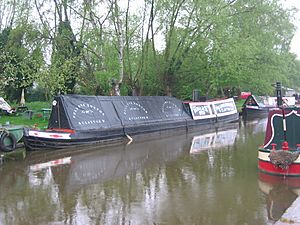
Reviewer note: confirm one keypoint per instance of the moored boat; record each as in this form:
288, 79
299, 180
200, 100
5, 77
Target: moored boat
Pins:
10, 135
279, 154
78, 119
261, 105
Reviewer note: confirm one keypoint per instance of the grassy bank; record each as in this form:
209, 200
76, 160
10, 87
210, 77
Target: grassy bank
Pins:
239, 103
33, 117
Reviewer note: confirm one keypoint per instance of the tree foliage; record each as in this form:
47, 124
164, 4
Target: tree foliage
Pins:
150, 47
20, 59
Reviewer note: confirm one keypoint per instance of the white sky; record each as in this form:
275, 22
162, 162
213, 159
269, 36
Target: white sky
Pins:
295, 45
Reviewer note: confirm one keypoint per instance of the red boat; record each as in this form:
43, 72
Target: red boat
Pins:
280, 153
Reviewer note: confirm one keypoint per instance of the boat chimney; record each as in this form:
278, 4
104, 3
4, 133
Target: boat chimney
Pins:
278, 94
196, 95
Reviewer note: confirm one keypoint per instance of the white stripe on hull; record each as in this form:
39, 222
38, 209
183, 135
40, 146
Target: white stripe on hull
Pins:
265, 156
50, 135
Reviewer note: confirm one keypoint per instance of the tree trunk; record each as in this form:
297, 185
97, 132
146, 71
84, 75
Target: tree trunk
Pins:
119, 33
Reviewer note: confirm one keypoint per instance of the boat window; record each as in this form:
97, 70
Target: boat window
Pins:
251, 101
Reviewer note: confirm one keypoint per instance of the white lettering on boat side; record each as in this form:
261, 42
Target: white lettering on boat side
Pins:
93, 114
171, 109
135, 111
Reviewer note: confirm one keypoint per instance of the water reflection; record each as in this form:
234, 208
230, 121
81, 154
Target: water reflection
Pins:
255, 125
96, 166
153, 181
213, 140
280, 193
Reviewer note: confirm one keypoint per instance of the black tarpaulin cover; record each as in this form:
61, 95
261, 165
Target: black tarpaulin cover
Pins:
80, 112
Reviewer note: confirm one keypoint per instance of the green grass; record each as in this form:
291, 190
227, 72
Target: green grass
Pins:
239, 103
36, 106
20, 118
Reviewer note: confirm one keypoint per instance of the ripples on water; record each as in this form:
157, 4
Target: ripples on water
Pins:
198, 177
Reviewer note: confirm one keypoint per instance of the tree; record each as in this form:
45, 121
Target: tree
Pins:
20, 59
150, 47
244, 47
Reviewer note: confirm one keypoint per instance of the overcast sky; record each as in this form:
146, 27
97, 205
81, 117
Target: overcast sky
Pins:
295, 46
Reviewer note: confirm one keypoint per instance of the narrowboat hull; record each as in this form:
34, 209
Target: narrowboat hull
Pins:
81, 120
256, 111
55, 139
266, 166
58, 139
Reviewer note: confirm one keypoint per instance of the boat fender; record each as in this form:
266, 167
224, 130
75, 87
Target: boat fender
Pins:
283, 158
7, 148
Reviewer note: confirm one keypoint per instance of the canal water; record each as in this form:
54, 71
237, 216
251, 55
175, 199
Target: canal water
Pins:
199, 177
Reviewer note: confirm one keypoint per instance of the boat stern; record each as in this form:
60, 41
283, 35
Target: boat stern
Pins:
279, 162
36, 139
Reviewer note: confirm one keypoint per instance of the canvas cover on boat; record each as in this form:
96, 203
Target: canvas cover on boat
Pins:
80, 112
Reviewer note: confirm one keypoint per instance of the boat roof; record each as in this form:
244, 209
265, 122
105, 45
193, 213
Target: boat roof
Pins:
80, 112
110, 113
268, 101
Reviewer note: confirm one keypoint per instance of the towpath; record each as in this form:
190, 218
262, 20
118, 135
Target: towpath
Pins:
291, 215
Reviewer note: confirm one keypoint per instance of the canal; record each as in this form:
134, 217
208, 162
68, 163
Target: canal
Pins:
199, 177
